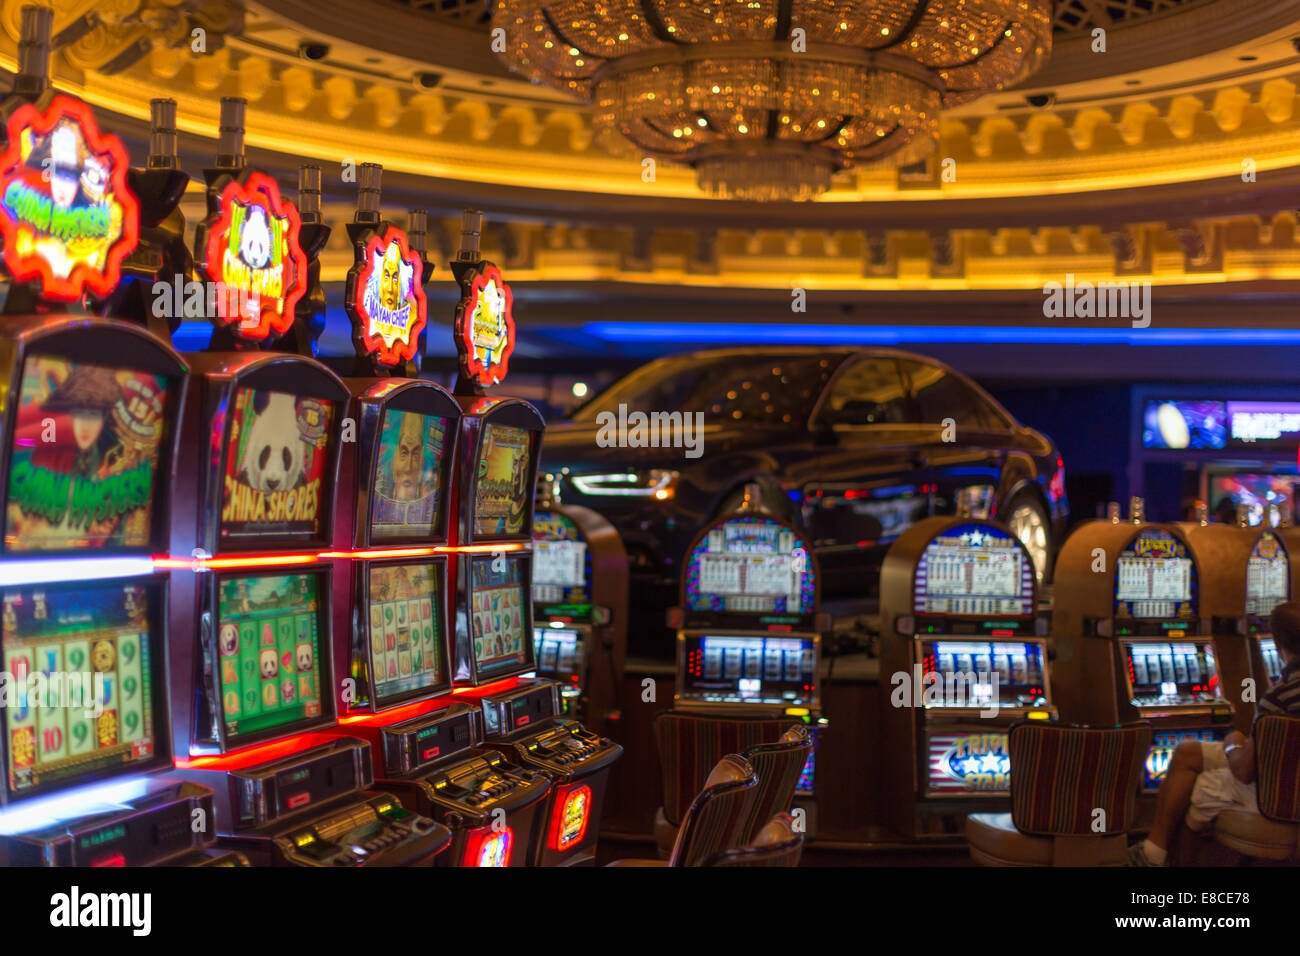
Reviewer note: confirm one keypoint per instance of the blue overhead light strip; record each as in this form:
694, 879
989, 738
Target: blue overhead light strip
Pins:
759, 334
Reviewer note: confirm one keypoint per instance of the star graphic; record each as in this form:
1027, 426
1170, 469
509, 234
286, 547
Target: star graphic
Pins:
992, 763
976, 538
971, 764
964, 539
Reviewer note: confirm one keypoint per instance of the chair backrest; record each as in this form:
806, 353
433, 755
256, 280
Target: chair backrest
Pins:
1277, 767
776, 844
716, 817
1061, 775
690, 745
778, 767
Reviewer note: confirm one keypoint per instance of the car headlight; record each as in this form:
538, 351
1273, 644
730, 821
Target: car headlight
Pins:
658, 483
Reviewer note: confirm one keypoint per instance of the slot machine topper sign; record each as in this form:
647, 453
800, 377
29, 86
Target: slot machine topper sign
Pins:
67, 216
250, 248
485, 325
385, 297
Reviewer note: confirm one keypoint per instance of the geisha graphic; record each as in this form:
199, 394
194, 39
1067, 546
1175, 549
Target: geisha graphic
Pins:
85, 456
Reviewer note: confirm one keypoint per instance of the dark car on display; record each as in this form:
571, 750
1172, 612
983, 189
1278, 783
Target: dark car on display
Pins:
851, 445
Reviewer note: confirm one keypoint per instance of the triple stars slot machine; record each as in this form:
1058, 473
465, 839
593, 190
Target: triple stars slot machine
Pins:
89, 409
1247, 572
391, 584
963, 656
499, 447
1132, 638
251, 606
749, 628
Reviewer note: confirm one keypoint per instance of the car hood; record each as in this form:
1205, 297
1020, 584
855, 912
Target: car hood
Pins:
573, 445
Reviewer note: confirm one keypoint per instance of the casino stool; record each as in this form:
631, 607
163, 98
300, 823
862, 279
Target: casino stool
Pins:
775, 844
778, 767
715, 820
1060, 775
690, 746
1274, 832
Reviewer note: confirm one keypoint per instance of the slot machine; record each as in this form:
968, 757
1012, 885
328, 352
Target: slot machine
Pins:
749, 628
1247, 573
391, 585
965, 656
251, 608
1132, 641
499, 446
89, 409
580, 587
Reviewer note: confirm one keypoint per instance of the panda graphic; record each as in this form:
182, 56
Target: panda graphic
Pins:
274, 454
255, 239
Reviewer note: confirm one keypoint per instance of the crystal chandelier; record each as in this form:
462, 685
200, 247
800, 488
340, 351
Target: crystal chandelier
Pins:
767, 99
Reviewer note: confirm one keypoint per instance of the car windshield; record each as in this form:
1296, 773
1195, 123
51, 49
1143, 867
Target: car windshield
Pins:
770, 389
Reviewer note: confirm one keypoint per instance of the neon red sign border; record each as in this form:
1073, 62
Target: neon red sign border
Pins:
249, 188
82, 276
472, 287
401, 350
562, 801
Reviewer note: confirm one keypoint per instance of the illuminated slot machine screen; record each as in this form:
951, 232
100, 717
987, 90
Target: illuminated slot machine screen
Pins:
1260, 493
1268, 576
269, 672
974, 570
87, 697
1171, 673
751, 567
503, 492
88, 441
748, 669
275, 486
973, 674
560, 573
968, 763
1155, 579
407, 647
500, 616
411, 465
1163, 744
1272, 659
558, 649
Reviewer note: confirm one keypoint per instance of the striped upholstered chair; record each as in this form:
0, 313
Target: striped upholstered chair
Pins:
690, 746
715, 820
1060, 777
1271, 834
777, 843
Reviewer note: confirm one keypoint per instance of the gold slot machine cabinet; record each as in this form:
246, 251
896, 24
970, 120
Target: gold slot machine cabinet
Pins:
580, 588
1132, 638
963, 656
251, 609
749, 630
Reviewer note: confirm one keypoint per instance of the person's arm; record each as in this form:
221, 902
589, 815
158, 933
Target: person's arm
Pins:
1240, 753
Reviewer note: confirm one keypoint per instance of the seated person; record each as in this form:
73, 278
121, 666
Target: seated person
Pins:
1206, 777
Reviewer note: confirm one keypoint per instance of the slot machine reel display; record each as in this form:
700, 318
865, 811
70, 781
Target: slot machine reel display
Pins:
580, 582
965, 655
1246, 573
1132, 641
499, 448
89, 409
749, 629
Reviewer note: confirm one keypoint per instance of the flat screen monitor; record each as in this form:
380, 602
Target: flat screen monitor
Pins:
1263, 424
1171, 673
1155, 579
502, 493
560, 566
751, 565
87, 697
277, 453
410, 475
271, 675
408, 650
974, 570
745, 669
1184, 423
974, 674
1268, 498
87, 447
500, 614
968, 763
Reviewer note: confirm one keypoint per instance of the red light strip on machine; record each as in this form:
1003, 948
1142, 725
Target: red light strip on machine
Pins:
167, 563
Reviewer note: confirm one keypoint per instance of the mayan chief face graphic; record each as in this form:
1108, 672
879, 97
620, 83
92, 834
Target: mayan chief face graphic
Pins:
408, 459
391, 291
